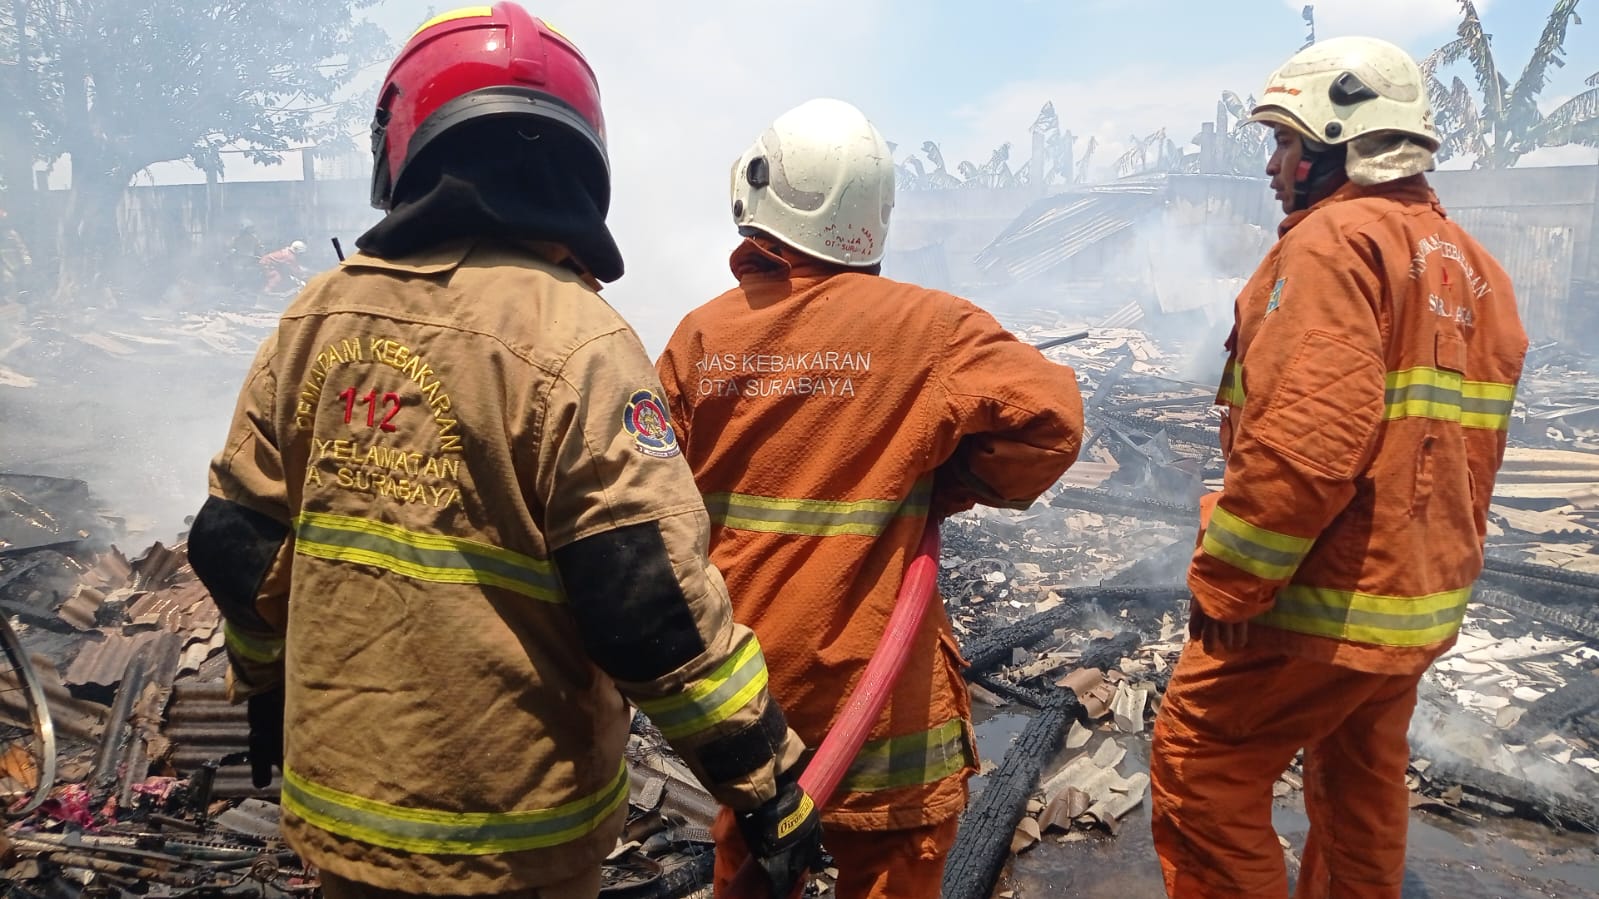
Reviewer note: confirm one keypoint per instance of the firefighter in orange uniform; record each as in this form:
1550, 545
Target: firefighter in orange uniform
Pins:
1373, 370
451, 527
828, 413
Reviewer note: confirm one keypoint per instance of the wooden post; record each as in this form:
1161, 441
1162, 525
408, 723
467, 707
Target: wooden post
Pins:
1207, 148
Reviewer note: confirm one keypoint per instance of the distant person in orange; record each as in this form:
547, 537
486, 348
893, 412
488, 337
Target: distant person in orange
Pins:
827, 414
283, 269
1372, 373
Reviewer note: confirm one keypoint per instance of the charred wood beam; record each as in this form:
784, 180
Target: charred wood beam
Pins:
1115, 502
993, 648
1522, 798
1101, 392
1563, 710
982, 843
1027, 696
1206, 437
1527, 574
1570, 622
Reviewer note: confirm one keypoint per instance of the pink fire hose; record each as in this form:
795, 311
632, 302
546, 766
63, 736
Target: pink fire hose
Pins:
844, 741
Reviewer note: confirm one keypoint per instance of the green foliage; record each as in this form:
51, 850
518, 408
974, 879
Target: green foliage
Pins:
1507, 124
123, 85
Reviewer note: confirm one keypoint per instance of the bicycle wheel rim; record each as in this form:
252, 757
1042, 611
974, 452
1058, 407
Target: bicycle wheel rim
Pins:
30, 693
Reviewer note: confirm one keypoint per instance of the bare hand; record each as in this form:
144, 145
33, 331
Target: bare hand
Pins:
1214, 635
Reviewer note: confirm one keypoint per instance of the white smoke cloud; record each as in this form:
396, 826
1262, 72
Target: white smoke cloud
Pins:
686, 89
1112, 107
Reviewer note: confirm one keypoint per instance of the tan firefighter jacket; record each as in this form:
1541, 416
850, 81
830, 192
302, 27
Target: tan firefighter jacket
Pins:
438, 431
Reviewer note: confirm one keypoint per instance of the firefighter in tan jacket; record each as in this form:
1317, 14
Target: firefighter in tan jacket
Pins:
452, 527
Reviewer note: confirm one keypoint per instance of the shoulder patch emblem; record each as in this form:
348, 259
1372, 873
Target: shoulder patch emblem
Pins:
646, 419
1276, 297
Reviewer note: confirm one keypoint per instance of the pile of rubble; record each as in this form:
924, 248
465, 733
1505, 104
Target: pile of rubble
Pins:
153, 794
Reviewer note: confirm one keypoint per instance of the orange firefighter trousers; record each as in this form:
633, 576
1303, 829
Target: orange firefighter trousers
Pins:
1230, 725
872, 864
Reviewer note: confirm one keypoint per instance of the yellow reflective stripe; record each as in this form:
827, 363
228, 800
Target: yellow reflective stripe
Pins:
465, 12
815, 517
252, 647
1369, 617
1265, 554
1232, 384
712, 699
433, 832
910, 759
424, 557
1425, 392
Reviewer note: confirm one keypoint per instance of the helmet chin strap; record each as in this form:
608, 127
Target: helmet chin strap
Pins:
1319, 165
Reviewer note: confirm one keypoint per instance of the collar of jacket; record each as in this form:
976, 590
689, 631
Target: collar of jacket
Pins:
759, 263
449, 256
1412, 190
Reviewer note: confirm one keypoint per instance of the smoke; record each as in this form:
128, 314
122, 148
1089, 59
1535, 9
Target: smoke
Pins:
1450, 736
1193, 283
135, 377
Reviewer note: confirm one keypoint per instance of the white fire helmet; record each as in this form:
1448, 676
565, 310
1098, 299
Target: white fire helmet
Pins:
1337, 90
821, 180
297, 247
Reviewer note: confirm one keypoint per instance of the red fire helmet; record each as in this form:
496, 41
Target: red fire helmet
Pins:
482, 62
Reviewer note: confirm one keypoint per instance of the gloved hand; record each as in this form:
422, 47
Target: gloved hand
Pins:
265, 711
784, 835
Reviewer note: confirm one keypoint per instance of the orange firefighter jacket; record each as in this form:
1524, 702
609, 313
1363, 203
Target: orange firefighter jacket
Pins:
1368, 394
824, 413
437, 430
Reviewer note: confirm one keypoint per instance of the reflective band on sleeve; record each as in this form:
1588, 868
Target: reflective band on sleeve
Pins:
712, 699
815, 517
432, 832
252, 647
1424, 392
1264, 554
424, 557
910, 760
1368, 617
1232, 385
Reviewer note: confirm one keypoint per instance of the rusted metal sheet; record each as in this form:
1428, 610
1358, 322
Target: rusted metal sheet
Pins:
185, 609
79, 718
1539, 259
102, 663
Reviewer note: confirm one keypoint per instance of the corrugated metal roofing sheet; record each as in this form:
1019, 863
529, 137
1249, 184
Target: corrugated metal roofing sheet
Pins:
185, 609
102, 663
1059, 227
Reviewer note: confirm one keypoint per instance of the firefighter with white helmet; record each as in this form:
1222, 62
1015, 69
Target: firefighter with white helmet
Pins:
284, 271
1371, 377
820, 180
828, 415
451, 531
1360, 109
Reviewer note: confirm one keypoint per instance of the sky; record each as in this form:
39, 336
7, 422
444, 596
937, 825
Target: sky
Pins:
687, 86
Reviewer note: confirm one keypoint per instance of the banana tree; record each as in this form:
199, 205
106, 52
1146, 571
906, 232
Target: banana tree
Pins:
1507, 124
